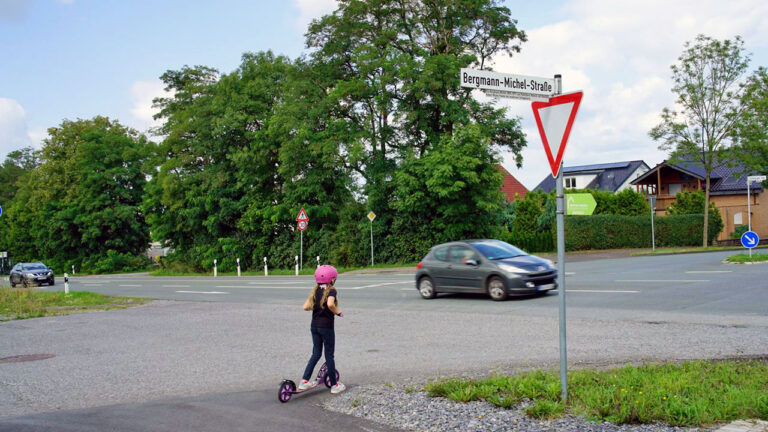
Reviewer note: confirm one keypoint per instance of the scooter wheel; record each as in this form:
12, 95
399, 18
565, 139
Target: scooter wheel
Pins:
286, 391
328, 379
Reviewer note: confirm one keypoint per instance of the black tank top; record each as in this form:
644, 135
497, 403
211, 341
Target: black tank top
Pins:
321, 315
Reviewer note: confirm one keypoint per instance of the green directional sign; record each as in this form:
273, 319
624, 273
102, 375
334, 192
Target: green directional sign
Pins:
580, 204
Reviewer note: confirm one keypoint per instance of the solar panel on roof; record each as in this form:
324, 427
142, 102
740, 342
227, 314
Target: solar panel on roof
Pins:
613, 165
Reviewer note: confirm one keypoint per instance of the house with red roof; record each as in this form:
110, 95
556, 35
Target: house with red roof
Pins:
511, 185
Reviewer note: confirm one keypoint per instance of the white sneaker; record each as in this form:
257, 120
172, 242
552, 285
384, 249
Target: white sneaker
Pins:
306, 385
338, 388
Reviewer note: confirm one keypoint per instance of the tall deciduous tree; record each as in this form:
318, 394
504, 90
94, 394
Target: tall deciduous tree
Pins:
752, 130
395, 64
708, 82
84, 198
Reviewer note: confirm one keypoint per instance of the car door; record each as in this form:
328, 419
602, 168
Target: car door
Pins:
465, 275
15, 274
438, 268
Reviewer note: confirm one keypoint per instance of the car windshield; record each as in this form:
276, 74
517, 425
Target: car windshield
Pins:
495, 249
36, 266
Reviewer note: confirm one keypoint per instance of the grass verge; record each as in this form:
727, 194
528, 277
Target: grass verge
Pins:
22, 303
307, 271
670, 251
697, 393
745, 258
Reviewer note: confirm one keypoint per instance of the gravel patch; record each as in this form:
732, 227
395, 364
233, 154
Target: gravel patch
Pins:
402, 406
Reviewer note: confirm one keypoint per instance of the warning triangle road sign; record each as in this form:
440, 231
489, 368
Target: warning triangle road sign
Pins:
302, 215
555, 119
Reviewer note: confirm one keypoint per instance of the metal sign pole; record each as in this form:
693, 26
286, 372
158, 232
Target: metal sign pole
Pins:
371, 243
301, 250
561, 268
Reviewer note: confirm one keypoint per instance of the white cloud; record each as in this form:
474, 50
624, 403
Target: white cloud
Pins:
619, 54
311, 9
142, 94
14, 133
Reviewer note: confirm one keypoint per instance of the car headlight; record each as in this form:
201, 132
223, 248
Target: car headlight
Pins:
512, 269
550, 263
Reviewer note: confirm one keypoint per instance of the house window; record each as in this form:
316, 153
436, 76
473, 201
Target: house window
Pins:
570, 183
738, 219
675, 188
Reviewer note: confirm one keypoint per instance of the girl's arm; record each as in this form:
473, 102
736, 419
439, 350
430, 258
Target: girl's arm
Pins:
306, 306
332, 306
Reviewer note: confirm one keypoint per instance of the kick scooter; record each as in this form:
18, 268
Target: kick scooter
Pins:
288, 387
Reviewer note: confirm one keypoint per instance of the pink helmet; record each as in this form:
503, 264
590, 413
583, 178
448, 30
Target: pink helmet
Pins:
325, 274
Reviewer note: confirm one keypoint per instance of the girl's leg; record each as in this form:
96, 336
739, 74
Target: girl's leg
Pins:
317, 351
329, 341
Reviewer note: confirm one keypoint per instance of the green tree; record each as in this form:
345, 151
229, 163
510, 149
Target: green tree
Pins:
752, 128
16, 164
452, 192
692, 203
396, 93
707, 82
83, 200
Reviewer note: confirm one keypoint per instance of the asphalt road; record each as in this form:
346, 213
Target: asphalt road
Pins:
219, 347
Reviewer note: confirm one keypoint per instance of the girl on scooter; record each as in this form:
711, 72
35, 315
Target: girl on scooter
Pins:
324, 306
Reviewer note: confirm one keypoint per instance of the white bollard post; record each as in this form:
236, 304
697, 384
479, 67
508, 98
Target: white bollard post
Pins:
266, 272
66, 284
215, 270
238, 267
73, 270
297, 265
318, 260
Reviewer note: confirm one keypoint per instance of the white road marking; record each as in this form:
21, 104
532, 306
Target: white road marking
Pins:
710, 271
603, 291
271, 283
569, 273
265, 287
377, 285
202, 292
175, 286
662, 280
130, 285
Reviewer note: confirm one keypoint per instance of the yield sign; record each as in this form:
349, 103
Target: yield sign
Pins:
302, 216
555, 119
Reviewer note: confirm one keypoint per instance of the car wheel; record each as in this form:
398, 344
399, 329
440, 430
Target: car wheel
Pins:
497, 289
13, 284
427, 288
53, 282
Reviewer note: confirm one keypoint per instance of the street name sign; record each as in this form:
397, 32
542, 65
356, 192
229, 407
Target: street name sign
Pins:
302, 215
750, 239
554, 119
510, 86
582, 204
756, 178
371, 216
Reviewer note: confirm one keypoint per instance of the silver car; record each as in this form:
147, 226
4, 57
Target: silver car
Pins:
483, 266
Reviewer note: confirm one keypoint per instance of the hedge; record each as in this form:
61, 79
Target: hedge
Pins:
531, 241
617, 232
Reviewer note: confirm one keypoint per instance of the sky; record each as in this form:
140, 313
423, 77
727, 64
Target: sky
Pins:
70, 59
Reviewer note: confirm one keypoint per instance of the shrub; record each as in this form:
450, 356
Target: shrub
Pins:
616, 232
530, 241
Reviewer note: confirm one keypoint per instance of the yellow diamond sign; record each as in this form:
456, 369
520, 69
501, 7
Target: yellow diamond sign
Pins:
371, 216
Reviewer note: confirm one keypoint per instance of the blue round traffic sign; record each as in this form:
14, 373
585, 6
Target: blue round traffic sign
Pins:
749, 239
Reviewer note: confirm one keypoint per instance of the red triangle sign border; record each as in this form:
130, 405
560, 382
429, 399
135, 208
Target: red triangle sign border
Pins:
575, 98
302, 215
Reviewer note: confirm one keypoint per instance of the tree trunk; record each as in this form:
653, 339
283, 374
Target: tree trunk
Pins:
706, 213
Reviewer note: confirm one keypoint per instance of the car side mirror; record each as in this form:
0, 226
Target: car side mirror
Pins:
472, 262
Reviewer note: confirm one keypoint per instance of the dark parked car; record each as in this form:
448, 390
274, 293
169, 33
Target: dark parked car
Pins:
31, 273
484, 266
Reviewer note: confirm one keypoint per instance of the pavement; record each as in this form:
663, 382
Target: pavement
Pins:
202, 361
